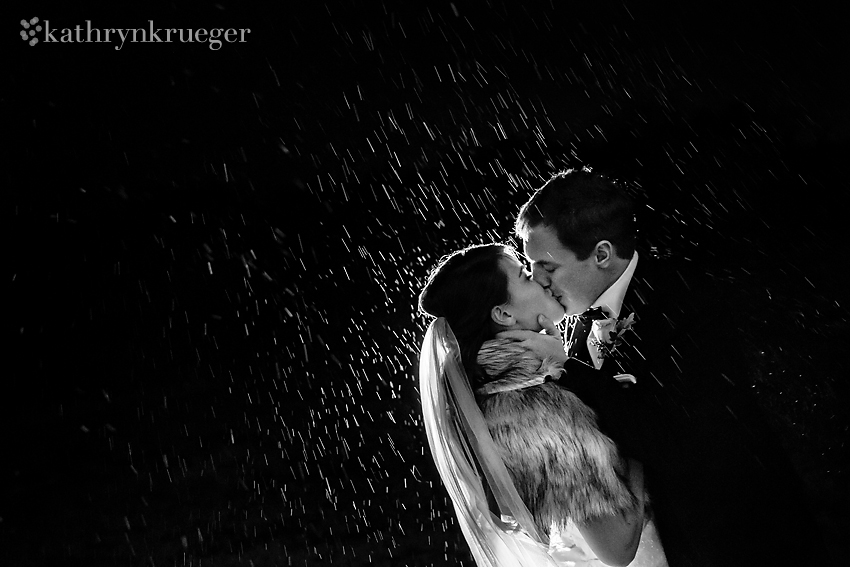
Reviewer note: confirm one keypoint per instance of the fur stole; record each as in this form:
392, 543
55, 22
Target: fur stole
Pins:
561, 464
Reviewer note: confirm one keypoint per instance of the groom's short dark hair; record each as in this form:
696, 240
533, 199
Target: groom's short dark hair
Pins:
583, 207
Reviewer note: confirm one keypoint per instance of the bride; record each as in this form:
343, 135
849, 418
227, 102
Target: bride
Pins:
532, 479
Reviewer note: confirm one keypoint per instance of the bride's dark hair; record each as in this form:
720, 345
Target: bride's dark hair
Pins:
463, 288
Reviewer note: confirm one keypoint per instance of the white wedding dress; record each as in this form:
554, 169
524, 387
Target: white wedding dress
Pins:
459, 439
649, 552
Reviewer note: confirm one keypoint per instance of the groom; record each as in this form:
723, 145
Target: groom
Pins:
723, 493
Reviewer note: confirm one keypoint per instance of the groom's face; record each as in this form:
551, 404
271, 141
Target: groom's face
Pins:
575, 283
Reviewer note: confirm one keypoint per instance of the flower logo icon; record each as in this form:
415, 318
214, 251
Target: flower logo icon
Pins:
28, 33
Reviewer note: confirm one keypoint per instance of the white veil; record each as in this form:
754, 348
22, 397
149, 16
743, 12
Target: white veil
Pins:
459, 438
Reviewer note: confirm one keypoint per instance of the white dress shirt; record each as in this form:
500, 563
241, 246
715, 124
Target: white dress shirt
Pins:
611, 302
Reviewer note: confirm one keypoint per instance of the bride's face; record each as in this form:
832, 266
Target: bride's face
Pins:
528, 299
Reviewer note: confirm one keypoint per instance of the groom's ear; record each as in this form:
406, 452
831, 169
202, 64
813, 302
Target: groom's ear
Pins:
502, 316
603, 253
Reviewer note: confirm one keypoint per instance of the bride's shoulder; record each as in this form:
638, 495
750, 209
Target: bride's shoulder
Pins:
502, 349
502, 343
506, 356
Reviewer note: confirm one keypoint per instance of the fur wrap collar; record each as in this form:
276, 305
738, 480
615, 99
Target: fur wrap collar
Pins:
562, 465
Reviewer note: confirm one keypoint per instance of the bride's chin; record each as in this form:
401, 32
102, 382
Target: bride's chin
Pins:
559, 311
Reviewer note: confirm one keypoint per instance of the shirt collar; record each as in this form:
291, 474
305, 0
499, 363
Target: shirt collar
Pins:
612, 298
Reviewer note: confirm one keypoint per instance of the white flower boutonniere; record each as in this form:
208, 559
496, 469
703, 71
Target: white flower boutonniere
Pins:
608, 334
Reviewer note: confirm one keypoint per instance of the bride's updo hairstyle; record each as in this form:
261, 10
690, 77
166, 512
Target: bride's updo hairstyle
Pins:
463, 288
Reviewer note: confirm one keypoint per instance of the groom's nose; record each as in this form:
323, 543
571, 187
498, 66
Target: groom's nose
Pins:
541, 276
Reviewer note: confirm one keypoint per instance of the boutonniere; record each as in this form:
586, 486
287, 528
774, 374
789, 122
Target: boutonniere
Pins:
608, 334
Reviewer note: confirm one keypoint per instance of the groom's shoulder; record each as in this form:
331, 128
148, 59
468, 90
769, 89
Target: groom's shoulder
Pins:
684, 282
672, 297
687, 316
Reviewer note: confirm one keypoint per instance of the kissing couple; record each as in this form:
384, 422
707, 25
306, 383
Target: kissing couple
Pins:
629, 439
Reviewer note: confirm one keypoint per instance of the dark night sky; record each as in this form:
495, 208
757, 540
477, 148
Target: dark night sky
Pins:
215, 254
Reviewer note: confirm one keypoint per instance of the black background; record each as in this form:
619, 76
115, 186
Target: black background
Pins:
214, 254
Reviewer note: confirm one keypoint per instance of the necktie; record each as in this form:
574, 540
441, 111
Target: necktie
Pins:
580, 330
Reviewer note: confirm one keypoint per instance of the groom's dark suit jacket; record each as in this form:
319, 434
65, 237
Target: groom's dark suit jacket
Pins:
723, 491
